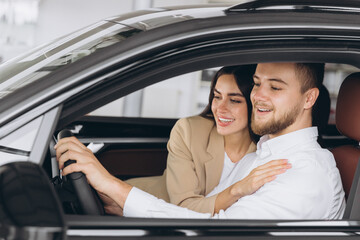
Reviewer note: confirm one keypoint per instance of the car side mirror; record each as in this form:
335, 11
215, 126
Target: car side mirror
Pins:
28, 203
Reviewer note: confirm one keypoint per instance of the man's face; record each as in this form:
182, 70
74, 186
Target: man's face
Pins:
277, 99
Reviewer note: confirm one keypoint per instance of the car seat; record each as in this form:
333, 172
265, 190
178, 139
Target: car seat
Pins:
348, 123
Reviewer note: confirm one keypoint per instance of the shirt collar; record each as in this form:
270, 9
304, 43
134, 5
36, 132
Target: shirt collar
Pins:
267, 146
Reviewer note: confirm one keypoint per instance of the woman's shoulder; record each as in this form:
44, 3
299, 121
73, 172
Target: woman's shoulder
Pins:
196, 122
197, 132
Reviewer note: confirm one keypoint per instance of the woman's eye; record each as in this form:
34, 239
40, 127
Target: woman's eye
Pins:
256, 84
275, 88
235, 101
216, 97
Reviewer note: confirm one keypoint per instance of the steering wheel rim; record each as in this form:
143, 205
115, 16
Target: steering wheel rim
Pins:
89, 200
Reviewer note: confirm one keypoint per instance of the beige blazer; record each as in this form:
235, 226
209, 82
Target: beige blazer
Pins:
194, 166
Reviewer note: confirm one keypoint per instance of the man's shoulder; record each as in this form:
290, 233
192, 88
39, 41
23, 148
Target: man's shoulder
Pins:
312, 153
314, 158
309, 167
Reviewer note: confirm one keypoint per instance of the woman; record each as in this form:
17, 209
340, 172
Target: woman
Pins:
204, 149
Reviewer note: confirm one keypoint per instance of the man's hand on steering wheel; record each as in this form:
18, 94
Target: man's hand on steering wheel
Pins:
70, 148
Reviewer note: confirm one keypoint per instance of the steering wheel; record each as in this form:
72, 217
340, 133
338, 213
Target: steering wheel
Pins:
88, 198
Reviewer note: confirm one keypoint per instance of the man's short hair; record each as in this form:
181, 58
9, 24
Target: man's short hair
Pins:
310, 74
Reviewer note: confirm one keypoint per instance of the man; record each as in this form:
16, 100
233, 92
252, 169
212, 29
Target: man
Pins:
282, 98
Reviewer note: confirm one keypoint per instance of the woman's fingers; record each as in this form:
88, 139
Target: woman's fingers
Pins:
268, 176
261, 175
273, 163
266, 180
270, 170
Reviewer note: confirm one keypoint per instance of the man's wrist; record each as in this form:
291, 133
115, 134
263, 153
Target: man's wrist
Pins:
120, 191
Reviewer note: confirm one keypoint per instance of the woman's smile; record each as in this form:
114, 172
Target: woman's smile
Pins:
223, 122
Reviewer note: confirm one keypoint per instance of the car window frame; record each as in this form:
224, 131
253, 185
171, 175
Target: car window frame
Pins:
293, 54
251, 226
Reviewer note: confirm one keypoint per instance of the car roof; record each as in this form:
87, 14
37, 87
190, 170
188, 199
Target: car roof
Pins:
297, 5
157, 17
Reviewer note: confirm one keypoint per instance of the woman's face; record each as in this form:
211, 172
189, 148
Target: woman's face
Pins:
229, 107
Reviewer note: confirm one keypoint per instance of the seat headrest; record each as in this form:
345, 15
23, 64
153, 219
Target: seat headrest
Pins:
321, 109
348, 107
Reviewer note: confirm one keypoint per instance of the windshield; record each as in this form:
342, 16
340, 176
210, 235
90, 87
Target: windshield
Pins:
20, 71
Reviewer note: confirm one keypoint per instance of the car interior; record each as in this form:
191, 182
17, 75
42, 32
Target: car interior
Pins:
135, 147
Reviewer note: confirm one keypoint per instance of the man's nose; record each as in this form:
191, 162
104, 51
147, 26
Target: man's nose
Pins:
258, 93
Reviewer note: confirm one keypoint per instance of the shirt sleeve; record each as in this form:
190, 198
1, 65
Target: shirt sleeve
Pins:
183, 184
142, 204
301, 193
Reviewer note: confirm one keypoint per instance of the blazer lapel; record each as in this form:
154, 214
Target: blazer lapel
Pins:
215, 164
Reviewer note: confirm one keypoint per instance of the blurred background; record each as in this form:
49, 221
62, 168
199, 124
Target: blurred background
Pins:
25, 24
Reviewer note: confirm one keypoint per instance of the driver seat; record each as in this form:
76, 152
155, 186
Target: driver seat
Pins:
348, 124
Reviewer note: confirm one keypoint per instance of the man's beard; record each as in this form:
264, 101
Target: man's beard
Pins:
274, 126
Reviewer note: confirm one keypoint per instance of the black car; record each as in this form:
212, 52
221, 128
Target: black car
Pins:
60, 85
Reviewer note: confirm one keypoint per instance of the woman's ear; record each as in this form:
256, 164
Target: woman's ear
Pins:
311, 96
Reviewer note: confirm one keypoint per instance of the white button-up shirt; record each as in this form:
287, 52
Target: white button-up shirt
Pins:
311, 189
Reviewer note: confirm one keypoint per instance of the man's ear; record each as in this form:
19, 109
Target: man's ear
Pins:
311, 96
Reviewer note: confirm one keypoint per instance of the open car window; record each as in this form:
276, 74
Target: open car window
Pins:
187, 95
177, 97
